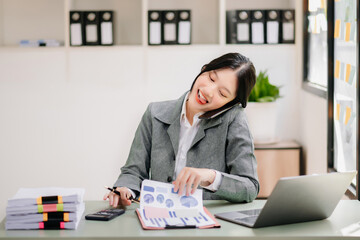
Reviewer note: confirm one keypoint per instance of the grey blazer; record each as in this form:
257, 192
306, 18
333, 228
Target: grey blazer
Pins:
222, 143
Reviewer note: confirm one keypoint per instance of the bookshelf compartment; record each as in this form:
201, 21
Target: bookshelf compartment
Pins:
127, 17
204, 17
31, 20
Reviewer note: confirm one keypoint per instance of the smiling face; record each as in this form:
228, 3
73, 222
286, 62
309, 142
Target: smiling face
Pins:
212, 90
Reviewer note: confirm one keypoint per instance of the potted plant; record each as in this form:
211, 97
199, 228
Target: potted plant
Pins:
262, 110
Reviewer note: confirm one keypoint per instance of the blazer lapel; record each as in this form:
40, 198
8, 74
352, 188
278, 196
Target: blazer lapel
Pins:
171, 116
205, 124
174, 131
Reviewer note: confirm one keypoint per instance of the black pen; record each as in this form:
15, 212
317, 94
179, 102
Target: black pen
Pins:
118, 193
176, 227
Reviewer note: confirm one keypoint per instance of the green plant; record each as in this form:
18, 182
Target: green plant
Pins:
263, 90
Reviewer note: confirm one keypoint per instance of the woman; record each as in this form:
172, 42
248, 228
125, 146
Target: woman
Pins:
201, 139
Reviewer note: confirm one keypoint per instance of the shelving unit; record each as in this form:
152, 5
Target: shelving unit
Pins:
49, 19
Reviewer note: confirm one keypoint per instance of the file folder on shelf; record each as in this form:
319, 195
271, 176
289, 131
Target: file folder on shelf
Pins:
92, 28
243, 26
238, 26
106, 27
184, 27
154, 27
76, 28
257, 26
272, 26
231, 26
169, 27
288, 26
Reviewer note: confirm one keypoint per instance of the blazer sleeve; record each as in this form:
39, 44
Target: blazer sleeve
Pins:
241, 183
137, 165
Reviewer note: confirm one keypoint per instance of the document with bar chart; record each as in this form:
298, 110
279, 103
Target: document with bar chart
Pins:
162, 207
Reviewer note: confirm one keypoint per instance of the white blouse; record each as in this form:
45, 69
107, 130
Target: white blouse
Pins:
187, 135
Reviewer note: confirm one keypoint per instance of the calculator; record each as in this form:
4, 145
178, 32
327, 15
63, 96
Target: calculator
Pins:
105, 215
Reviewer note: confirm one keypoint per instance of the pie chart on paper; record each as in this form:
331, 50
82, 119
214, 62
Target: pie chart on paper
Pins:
188, 201
148, 198
160, 198
169, 203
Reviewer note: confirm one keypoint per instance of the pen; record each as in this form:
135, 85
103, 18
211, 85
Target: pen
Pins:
175, 226
118, 193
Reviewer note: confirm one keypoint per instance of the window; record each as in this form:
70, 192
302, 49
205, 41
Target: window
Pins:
343, 108
316, 47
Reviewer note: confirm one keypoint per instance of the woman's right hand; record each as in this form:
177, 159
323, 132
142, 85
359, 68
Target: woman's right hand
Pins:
122, 200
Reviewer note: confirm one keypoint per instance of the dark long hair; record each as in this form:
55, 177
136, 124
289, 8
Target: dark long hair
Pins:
246, 76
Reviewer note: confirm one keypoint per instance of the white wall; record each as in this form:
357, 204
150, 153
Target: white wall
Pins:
1, 23
63, 126
314, 132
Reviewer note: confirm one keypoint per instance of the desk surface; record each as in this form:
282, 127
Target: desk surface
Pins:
127, 226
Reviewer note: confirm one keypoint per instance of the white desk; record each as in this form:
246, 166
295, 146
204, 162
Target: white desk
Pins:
127, 226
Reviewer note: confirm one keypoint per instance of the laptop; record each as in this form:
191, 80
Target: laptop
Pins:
296, 199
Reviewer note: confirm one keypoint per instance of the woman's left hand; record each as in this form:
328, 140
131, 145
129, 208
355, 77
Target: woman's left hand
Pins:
190, 178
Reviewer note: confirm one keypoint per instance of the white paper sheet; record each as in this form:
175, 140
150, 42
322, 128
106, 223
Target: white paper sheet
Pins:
165, 207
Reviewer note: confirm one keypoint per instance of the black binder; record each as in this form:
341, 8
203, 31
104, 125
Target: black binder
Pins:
231, 26
288, 26
106, 28
184, 26
92, 28
272, 26
169, 27
243, 29
154, 27
76, 28
258, 26
238, 28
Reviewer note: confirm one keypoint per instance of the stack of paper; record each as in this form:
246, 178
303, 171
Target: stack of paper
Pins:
45, 208
161, 207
